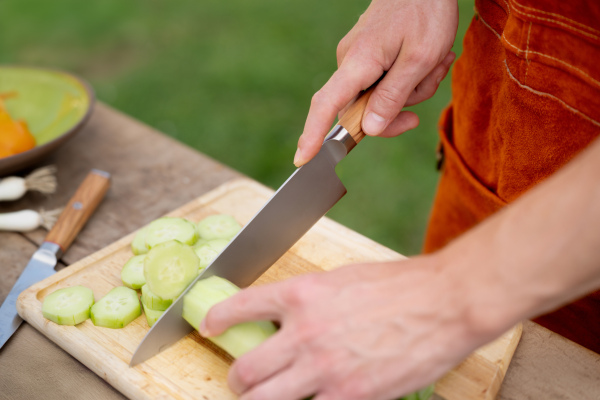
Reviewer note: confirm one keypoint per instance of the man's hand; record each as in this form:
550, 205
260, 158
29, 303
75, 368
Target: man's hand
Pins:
371, 331
408, 39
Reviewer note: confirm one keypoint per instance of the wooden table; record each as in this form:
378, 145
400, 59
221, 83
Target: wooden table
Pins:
151, 175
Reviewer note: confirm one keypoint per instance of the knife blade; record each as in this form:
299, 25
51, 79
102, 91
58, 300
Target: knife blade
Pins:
297, 205
79, 209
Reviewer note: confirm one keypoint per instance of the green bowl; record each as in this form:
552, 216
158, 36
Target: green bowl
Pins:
54, 104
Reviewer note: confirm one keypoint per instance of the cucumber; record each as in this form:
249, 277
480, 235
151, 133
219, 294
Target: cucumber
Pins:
118, 308
220, 226
68, 306
169, 268
209, 250
151, 315
238, 339
132, 273
138, 245
154, 302
169, 228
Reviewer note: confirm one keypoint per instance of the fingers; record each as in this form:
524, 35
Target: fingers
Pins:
390, 95
274, 355
342, 87
253, 304
405, 121
428, 86
296, 382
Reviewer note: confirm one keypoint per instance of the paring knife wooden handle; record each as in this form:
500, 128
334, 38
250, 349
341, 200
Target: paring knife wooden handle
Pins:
80, 208
352, 119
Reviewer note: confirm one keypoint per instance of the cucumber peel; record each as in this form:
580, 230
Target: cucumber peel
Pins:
68, 306
238, 339
152, 301
152, 315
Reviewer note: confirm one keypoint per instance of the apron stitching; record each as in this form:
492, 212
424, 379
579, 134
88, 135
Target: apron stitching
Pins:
559, 23
582, 72
544, 94
488, 26
596, 82
507, 6
554, 15
527, 51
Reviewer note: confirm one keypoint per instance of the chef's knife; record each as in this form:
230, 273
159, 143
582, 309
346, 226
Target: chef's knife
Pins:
71, 220
296, 206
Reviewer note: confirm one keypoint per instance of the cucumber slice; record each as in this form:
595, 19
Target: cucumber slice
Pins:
209, 250
168, 228
169, 268
119, 307
154, 302
138, 245
238, 339
220, 226
151, 315
132, 273
68, 306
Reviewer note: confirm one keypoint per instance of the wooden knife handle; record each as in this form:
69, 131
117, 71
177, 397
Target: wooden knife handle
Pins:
352, 119
80, 208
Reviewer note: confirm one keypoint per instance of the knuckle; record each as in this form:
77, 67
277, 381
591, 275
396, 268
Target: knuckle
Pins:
389, 98
243, 373
318, 98
421, 59
297, 295
340, 50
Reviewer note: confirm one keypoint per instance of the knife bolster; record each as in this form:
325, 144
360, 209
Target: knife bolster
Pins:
49, 252
340, 134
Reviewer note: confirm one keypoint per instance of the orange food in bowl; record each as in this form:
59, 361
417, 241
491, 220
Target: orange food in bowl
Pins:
15, 137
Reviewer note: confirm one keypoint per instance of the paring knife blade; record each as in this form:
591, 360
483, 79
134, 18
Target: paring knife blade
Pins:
295, 207
42, 264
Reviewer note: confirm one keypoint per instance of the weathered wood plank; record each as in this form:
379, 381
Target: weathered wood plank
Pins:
548, 366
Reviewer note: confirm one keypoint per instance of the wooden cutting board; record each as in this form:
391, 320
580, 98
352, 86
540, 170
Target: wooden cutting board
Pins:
195, 369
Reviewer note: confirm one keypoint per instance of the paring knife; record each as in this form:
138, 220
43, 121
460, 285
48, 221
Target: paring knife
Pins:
69, 223
297, 205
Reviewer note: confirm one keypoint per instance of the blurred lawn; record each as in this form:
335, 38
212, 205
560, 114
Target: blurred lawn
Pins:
234, 80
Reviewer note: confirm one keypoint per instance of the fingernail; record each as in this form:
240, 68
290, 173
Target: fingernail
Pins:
298, 158
203, 331
440, 78
373, 124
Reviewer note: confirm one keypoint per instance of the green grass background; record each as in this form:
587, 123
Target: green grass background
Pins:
234, 80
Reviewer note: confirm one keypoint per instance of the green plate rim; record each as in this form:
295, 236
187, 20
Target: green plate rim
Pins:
26, 158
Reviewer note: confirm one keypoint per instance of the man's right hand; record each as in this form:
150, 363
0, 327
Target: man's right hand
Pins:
408, 39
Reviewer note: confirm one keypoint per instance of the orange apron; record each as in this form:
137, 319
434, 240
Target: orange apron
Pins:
526, 100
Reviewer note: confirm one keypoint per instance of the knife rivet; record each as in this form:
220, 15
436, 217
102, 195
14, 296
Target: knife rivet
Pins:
77, 205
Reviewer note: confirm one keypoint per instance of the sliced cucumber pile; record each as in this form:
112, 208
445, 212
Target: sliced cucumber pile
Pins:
68, 306
237, 340
132, 273
163, 265
118, 308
